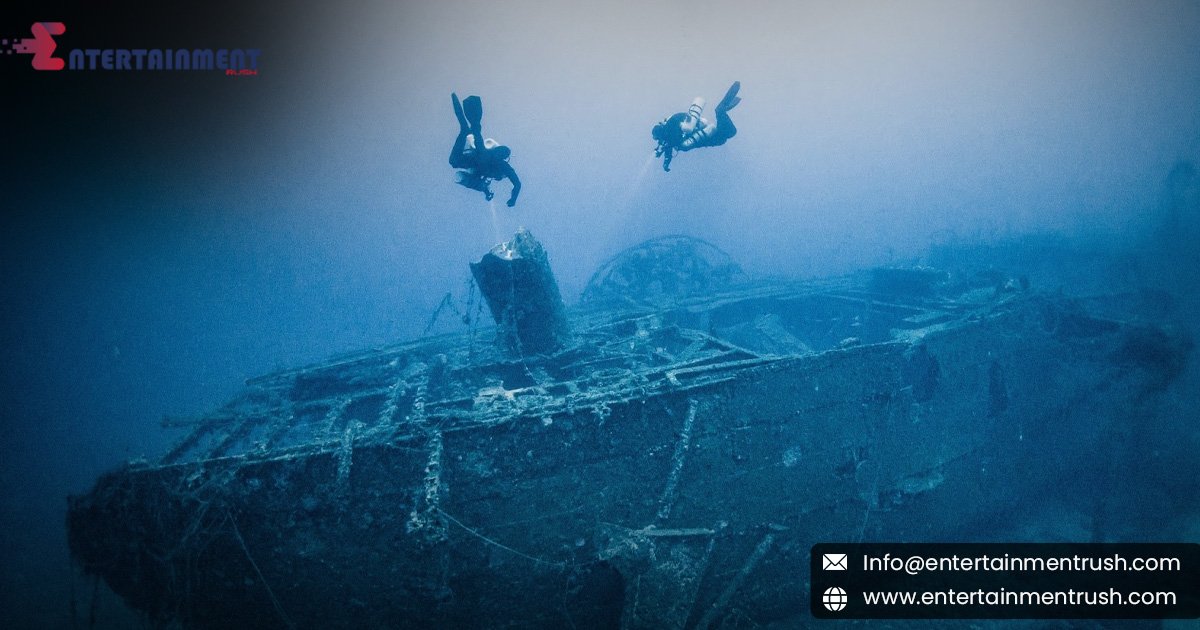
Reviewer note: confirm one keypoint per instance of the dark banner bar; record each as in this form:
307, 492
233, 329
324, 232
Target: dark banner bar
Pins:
1005, 581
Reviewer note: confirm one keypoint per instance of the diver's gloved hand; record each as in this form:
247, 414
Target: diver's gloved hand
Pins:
512, 202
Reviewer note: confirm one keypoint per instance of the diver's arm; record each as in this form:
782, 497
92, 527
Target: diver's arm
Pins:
516, 189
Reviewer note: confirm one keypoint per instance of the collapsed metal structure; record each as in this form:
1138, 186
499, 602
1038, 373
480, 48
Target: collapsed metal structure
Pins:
664, 463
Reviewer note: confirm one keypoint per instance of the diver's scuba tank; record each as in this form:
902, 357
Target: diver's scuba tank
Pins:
694, 121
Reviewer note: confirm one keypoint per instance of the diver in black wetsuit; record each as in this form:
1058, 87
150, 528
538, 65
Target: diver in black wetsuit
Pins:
479, 160
687, 131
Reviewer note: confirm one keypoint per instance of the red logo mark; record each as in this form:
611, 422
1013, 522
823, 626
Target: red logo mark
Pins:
42, 45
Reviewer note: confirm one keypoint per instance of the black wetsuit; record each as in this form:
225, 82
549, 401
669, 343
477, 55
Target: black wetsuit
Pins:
480, 164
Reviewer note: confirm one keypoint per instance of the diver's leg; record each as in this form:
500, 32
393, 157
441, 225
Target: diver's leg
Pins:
457, 159
458, 112
731, 99
711, 136
473, 111
723, 130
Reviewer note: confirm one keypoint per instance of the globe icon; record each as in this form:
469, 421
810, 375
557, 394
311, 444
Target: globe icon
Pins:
834, 599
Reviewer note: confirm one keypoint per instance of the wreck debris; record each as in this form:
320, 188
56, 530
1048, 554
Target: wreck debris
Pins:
907, 280
661, 271
664, 466
521, 291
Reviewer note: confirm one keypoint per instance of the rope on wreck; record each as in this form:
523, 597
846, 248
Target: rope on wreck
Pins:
447, 303
498, 544
474, 319
274, 601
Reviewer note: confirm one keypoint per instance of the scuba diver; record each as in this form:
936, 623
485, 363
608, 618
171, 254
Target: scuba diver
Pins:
479, 160
687, 131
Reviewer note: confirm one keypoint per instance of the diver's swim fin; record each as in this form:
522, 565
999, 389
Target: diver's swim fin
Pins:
731, 98
472, 108
458, 111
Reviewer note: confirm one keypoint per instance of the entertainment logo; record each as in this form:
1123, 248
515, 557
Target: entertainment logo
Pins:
233, 61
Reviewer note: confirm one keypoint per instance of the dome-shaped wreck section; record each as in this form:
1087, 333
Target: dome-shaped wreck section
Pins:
661, 271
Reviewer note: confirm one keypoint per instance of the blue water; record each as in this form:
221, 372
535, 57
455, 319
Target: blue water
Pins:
163, 237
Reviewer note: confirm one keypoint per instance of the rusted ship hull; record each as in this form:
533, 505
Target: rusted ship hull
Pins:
681, 487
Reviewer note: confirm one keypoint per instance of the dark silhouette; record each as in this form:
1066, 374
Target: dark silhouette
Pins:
479, 160
685, 131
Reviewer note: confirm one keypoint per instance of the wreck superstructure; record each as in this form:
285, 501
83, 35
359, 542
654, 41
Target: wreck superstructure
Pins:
667, 464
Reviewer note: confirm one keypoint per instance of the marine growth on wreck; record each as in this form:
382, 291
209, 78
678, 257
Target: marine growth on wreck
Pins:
663, 455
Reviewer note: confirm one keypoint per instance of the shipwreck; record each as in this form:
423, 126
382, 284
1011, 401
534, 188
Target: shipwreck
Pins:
661, 456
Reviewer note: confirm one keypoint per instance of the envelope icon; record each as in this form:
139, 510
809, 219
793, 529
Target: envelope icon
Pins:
834, 562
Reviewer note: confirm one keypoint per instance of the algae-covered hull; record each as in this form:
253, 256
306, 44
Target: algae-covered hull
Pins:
668, 466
